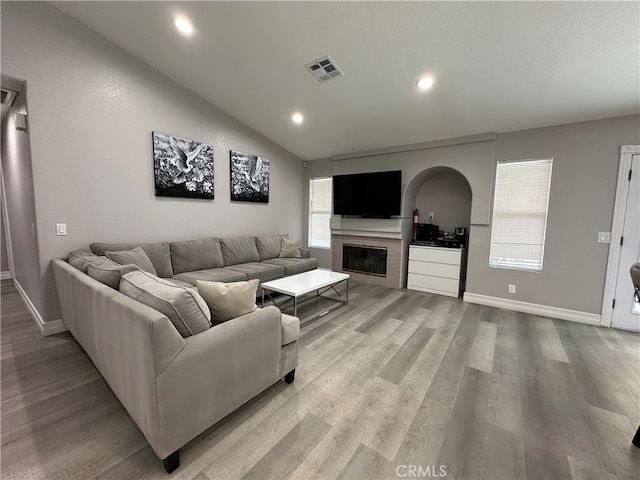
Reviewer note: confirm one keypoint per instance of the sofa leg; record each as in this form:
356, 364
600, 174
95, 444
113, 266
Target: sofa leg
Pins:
290, 376
172, 461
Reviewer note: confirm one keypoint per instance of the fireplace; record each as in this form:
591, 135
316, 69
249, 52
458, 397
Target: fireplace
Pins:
364, 259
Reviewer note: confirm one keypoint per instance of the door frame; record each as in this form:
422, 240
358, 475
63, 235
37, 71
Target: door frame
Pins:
622, 190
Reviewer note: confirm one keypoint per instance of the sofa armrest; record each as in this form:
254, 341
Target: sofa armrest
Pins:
232, 362
127, 341
305, 253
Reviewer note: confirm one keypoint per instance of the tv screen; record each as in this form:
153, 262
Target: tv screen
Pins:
374, 195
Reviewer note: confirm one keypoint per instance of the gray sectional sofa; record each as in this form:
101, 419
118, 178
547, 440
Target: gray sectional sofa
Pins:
219, 259
176, 383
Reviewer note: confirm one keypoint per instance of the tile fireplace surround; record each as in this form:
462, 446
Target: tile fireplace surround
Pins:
393, 247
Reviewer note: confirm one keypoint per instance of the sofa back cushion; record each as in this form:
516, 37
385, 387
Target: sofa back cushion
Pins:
239, 250
107, 271
186, 309
192, 255
269, 246
158, 253
136, 256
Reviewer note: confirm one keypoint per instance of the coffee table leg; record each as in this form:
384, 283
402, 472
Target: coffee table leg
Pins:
295, 306
347, 292
262, 301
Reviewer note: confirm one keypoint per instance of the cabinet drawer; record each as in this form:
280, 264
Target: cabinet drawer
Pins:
435, 269
436, 255
433, 284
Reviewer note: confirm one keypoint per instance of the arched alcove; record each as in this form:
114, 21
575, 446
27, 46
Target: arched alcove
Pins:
443, 191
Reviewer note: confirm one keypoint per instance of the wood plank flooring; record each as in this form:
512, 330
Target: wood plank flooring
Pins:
397, 384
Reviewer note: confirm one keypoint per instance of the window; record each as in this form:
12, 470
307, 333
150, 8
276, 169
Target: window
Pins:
320, 212
520, 205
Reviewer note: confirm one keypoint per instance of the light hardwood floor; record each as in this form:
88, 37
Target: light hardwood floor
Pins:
397, 384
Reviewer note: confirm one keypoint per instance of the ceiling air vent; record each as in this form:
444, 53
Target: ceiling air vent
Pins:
324, 69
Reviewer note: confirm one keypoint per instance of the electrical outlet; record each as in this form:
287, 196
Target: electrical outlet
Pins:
431, 215
512, 288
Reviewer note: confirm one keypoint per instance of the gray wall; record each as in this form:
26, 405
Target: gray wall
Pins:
583, 183
586, 157
92, 108
473, 160
18, 184
4, 255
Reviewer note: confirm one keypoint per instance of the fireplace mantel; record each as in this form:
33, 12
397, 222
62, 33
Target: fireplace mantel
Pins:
367, 227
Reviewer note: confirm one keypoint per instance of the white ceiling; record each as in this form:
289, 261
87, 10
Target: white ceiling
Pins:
499, 66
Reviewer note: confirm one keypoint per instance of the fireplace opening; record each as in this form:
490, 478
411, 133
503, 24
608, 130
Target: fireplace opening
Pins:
364, 259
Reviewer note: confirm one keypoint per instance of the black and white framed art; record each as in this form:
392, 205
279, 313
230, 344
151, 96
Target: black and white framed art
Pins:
182, 167
249, 178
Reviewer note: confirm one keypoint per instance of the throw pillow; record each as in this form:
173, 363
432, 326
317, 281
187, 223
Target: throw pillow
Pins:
228, 300
183, 306
107, 271
81, 259
289, 249
137, 256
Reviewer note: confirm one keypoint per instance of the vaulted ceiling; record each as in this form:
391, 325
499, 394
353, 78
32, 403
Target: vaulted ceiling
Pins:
498, 66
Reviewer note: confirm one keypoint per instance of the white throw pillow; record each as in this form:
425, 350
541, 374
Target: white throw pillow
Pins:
228, 300
290, 249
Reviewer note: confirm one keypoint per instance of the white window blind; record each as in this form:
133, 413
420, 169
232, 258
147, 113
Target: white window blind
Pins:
320, 212
520, 207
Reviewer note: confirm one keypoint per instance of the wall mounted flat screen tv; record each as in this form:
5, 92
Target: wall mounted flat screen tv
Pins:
370, 195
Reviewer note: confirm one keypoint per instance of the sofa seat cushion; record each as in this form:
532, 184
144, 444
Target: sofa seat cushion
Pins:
239, 250
192, 255
80, 259
180, 283
158, 253
186, 309
259, 270
290, 329
136, 256
269, 246
293, 266
211, 275
228, 300
107, 271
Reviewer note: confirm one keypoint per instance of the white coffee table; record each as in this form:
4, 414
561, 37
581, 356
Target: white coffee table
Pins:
296, 286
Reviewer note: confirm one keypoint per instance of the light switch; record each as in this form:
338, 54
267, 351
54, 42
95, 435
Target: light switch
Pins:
61, 228
604, 237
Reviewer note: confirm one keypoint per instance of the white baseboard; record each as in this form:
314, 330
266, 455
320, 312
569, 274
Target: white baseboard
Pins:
46, 328
6, 275
533, 308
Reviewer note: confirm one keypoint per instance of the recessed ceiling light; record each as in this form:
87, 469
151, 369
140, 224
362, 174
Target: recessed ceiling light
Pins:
425, 83
297, 118
183, 24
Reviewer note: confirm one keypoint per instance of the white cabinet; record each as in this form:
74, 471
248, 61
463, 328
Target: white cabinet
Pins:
436, 270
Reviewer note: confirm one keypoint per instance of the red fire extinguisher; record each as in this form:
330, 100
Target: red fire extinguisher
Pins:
415, 218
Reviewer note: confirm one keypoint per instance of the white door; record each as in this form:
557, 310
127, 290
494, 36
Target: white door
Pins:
626, 313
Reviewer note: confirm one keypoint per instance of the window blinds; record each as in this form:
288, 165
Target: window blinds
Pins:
320, 212
520, 207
